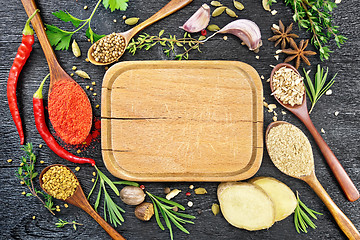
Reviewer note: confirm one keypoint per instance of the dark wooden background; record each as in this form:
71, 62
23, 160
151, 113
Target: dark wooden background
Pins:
341, 131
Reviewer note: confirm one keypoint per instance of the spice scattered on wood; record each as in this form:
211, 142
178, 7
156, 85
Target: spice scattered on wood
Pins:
82, 74
109, 48
282, 35
288, 86
70, 112
290, 150
298, 53
59, 182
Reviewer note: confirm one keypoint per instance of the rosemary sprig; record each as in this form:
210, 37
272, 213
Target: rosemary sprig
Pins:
301, 219
162, 205
111, 209
315, 16
61, 223
317, 89
146, 41
26, 174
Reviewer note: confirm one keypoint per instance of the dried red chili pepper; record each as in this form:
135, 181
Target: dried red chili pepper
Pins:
22, 55
39, 115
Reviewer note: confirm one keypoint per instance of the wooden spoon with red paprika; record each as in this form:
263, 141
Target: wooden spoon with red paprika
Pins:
70, 111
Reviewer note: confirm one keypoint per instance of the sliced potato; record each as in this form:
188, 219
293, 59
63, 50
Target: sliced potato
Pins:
246, 206
282, 196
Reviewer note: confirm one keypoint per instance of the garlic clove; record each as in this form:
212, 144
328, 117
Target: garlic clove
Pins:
198, 21
246, 30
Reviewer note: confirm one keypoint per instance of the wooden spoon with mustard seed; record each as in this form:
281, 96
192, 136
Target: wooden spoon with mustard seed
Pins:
58, 75
341, 219
168, 9
302, 113
78, 199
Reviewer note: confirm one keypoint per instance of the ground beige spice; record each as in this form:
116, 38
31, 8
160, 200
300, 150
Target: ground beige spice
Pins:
290, 150
288, 86
59, 182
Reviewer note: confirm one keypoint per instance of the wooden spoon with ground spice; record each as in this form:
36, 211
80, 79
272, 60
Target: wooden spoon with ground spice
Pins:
60, 182
294, 100
291, 153
111, 47
70, 111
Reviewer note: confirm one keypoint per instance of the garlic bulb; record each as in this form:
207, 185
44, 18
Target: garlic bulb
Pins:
246, 30
198, 21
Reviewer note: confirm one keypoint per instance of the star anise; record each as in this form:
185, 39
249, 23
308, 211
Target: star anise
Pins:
282, 35
298, 52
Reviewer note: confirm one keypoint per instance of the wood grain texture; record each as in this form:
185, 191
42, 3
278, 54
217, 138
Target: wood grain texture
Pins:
342, 131
182, 121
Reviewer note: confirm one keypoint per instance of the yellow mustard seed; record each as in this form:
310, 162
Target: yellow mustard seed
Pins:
97, 106
71, 74
84, 143
22, 182
74, 68
58, 209
77, 169
33, 217
21, 164
93, 180
91, 89
93, 83
94, 174
66, 206
85, 7
87, 87
124, 17
94, 94
86, 59
40, 145
57, 206
23, 193
42, 162
9, 160
78, 151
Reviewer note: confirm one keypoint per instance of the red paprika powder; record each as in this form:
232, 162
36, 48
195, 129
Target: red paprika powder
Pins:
70, 112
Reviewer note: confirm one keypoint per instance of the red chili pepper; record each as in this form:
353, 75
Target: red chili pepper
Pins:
142, 187
188, 194
203, 32
39, 115
22, 55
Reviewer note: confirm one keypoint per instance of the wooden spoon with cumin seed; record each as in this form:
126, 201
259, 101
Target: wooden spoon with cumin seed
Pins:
302, 113
79, 200
341, 219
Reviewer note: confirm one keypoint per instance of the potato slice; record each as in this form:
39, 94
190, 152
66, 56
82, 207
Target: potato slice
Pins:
246, 206
282, 196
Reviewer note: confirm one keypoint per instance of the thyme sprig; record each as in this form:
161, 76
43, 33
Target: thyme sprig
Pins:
318, 88
165, 207
315, 17
301, 219
111, 210
146, 41
26, 174
61, 223
61, 39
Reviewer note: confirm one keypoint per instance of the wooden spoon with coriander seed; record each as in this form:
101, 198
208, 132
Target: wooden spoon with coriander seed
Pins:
302, 113
301, 166
78, 199
98, 55
62, 85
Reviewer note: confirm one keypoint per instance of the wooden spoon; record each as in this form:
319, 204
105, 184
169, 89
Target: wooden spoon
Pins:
302, 113
341, 219
57, 73
168, 9
78, 199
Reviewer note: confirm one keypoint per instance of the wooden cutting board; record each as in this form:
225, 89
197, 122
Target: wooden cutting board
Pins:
182, 120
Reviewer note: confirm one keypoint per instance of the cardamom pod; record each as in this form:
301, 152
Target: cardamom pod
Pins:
216, 3
218, 11
132, 21
75, 49
213, 28
82, 74
238, 5
200, 191
215, 208
230, 12
201, 38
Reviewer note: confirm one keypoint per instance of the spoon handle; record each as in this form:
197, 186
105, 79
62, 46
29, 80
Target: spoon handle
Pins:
168, 9
341, 176
55, 68
341, 219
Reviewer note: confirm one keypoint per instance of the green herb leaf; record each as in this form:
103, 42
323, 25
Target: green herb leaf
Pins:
115, 4
67, 17
59, 38
135, 184
93, 36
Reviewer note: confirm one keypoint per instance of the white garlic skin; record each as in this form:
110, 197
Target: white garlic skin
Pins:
198, 21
